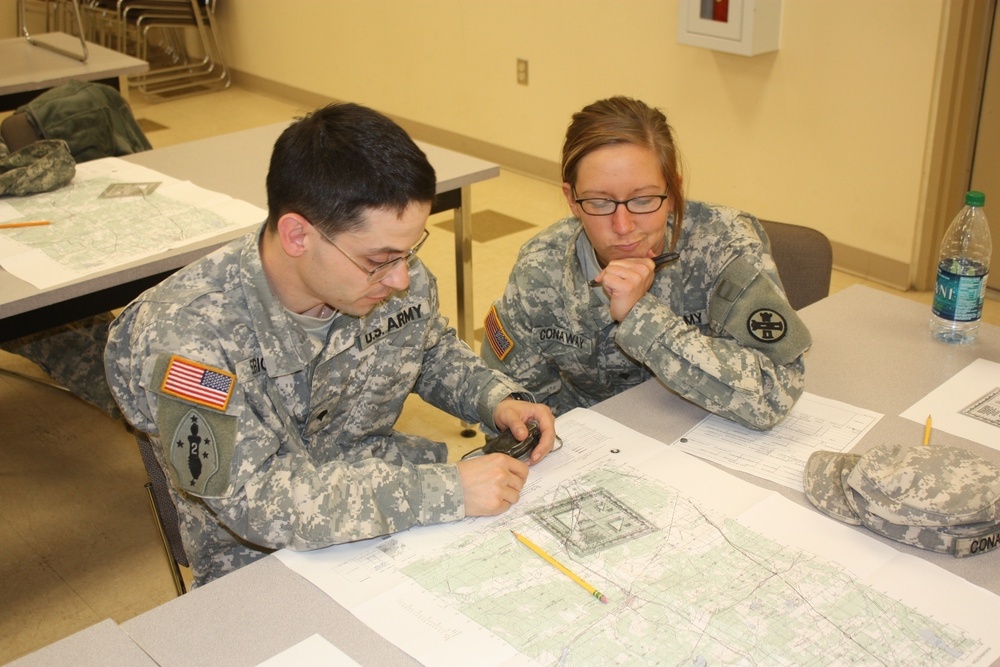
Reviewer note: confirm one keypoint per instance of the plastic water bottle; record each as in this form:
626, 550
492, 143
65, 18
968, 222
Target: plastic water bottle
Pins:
961, 276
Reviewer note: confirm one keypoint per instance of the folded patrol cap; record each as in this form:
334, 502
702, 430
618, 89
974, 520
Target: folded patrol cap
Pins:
940, 498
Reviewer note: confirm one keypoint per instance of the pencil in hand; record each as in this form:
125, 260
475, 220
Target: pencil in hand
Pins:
658, 261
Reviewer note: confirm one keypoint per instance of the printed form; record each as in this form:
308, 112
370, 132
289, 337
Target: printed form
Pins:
966, 405
780, 454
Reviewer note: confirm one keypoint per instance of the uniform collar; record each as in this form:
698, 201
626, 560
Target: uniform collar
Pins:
587, 258
285, 346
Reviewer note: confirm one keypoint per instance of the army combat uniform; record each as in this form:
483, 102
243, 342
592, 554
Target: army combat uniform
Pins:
714, 327
274, 438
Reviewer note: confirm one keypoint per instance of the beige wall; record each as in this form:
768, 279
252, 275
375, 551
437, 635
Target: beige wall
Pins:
8, 18
831, 131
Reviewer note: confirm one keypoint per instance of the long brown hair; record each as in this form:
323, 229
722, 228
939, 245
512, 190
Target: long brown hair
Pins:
623, 120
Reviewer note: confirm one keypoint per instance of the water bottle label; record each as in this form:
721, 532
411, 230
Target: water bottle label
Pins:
959, 298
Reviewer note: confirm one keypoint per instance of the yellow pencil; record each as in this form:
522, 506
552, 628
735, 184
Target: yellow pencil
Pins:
15, 225
559, 566
927, 431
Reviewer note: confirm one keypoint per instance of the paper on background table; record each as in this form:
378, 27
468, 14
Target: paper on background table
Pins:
90, 234
780, 455
945, 404
313, 651
731, 569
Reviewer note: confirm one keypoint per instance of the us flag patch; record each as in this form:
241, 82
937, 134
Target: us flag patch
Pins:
499, 341
198, 383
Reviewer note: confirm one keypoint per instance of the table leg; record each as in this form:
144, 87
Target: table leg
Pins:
463, 267
463, 277
123, 88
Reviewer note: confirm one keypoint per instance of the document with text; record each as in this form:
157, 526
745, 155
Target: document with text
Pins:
780, 454
966, 405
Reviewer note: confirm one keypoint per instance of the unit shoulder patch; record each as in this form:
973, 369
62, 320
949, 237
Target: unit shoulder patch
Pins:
198, 445
766, 325
194, 452
749, 306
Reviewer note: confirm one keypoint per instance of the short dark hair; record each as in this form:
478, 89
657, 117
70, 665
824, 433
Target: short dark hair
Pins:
339, 161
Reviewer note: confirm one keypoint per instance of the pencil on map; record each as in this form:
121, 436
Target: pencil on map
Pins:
16, 225
559, 566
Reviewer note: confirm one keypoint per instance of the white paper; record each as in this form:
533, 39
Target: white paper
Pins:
313, 651
699, 567
780, 454
945, 404
90, 233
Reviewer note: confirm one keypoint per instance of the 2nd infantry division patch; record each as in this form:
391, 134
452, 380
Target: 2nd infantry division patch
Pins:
190, 381
499, 341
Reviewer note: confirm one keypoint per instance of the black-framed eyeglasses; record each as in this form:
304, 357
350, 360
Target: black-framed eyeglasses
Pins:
605, 206
382, 269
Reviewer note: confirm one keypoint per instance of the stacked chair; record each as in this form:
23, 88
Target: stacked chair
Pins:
179, 39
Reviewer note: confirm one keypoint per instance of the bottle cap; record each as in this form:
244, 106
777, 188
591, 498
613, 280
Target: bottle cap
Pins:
975, 198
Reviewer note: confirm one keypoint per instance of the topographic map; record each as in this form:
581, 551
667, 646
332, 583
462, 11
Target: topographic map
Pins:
684, 588
698, 566
100, 221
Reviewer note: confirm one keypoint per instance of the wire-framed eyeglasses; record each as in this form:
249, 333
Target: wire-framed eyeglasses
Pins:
379, 271
605, 206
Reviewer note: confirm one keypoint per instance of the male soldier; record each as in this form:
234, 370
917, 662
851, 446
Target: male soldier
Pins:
269, 374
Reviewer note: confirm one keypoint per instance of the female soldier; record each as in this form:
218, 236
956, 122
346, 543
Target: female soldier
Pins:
588, 313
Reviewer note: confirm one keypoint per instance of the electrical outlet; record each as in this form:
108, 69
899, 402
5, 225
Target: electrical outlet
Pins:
522, 71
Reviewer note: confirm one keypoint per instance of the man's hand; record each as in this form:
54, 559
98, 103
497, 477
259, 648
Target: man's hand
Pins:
491, 483
626, 281
514, 415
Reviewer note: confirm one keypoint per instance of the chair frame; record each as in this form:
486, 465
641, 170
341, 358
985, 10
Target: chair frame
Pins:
23, 26
164, 512
127, 25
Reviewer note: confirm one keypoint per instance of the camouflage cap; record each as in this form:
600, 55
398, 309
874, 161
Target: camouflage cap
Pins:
940, 498
39, 167
824, 486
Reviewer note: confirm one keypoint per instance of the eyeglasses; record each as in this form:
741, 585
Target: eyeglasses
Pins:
605, 206
382, 269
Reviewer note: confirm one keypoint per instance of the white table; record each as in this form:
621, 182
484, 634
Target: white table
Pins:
870, 349
234, 164
27, 70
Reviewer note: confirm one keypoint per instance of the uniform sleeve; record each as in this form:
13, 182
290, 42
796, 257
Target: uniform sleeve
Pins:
507, 337
719, 373
287, 502
457, 381
248, 466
